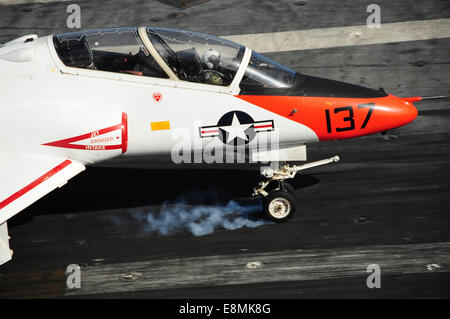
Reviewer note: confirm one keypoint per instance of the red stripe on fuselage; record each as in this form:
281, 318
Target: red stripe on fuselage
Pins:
210, 131
35, 183
124, 132
263, 126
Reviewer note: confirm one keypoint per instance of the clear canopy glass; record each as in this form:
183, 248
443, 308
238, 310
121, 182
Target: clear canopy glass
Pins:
114, 50
263, 73
198, 57
191, 56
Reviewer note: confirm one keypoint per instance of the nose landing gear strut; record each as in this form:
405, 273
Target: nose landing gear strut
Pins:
279, 203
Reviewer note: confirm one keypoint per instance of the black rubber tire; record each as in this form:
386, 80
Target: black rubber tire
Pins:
275, 186
288, 187
282, 196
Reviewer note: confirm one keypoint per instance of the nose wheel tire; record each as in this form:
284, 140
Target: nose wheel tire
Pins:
279, 206
288, 187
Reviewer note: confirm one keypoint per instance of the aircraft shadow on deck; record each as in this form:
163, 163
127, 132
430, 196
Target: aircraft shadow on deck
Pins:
115, 188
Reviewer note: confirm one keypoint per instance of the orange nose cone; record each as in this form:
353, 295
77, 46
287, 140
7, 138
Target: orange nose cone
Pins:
394, 113
405, 113
413, 111
408, 112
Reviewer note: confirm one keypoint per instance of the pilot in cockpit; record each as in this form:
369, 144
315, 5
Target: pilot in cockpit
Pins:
212, 60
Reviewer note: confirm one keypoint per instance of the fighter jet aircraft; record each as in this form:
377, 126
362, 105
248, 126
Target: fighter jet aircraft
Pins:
124, 95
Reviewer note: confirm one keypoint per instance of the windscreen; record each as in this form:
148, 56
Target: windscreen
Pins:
263, 73
198, 57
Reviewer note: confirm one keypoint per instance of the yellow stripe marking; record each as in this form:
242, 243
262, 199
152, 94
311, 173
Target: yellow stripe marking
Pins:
159, 126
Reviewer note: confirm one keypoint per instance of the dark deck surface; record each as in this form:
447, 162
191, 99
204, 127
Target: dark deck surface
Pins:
387, 191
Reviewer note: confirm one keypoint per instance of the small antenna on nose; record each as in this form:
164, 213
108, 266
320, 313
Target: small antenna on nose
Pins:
436, 97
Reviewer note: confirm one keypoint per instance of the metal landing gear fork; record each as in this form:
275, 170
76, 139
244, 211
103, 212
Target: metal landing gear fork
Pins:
279, 203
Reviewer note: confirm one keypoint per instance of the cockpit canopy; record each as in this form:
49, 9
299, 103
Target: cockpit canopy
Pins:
198, 57
169, 54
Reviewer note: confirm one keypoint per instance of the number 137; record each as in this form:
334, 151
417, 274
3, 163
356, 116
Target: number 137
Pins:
350, 118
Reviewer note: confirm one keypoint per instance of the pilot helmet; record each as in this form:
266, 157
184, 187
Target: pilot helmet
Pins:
211, 58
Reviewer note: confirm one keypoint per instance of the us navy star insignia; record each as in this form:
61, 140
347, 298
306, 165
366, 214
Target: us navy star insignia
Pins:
236, 129
234, 126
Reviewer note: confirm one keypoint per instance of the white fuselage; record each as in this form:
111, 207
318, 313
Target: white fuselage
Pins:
42, 101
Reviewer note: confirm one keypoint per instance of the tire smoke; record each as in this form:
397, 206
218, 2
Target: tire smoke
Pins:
200, 220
